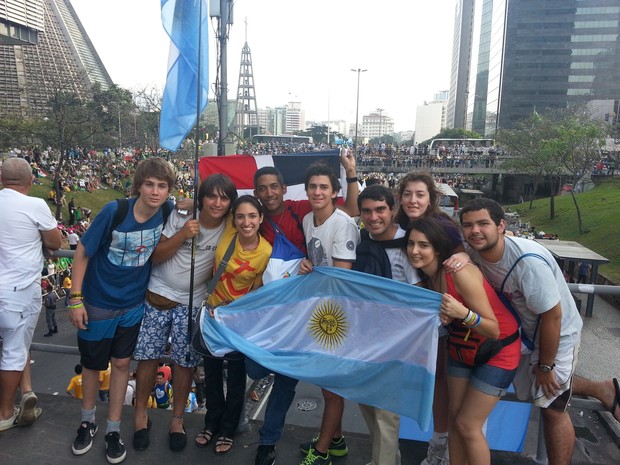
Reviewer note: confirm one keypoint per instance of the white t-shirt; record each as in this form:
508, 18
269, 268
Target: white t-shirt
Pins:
73, 238
336, 239
171, 278
21, 247
533, 287
401, 268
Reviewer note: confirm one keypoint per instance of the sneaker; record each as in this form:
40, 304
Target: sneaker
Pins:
84, 440
337, 448
114, 448
437, 454
265, 455
314, 458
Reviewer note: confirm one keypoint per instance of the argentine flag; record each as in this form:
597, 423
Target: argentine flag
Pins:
369, 339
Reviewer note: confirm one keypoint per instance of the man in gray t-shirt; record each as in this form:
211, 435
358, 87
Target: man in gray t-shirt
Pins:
538, 292
167, 310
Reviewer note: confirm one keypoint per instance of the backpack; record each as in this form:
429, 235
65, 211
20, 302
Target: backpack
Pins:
371, 257
527, 343
122, 207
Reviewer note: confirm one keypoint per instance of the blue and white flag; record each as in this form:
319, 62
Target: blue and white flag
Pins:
185, 21
369, 339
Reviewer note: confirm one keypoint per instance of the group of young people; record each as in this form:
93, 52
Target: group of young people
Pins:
131, 292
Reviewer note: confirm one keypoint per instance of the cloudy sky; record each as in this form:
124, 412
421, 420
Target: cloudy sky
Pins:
301, 50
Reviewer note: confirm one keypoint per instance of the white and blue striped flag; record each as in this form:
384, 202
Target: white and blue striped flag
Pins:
186, 22
369, 339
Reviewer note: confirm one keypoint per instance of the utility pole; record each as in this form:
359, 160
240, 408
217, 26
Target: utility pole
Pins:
357, 106
225, 19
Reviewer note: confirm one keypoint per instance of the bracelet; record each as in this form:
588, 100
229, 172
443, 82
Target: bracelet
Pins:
76, 295
351, 180
74, 306
469, 318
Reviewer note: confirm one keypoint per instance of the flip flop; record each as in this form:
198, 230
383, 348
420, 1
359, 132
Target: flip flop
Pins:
225, 442
616, 402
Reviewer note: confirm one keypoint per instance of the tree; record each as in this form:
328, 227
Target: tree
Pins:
318, 134
454, 133
553, 144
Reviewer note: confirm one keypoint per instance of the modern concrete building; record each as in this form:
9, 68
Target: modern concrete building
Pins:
431, 117
44, 48
528, 55
376, 124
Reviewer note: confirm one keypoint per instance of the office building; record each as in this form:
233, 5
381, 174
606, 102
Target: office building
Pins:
431, 117
531, 55
53, 53
376, 124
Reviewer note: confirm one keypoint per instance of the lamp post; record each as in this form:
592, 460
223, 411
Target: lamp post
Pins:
357, 107
380, 110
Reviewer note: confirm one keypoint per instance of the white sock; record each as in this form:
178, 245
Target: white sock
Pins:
440, 439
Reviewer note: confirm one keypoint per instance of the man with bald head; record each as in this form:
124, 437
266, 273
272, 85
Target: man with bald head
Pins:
26, 227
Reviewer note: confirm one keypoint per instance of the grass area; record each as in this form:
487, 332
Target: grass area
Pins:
600, 216
94, 200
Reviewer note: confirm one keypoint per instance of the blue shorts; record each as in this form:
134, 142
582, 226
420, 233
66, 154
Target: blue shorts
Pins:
109, 334
491, 380
160, 326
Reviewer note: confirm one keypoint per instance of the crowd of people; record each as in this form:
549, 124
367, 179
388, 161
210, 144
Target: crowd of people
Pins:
131, 295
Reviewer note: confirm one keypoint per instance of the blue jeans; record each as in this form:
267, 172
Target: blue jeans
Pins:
280, 399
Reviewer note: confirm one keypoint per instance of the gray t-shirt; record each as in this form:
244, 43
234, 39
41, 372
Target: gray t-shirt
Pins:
533, 287
171, 278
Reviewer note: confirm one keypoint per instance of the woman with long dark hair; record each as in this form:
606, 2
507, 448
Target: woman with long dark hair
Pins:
473, 312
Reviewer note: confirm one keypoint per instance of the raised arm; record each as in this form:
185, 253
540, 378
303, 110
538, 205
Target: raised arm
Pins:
347, 160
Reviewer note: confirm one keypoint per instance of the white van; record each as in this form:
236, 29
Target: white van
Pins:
449, 201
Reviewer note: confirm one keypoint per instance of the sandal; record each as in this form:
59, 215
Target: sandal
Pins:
616, 402
225, 443
204, 438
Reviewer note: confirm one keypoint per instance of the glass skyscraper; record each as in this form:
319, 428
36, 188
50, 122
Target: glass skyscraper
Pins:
530, 55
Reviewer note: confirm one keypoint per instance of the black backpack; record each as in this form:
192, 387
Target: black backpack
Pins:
122, 207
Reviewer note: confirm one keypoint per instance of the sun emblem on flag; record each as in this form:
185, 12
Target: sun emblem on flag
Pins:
328, 324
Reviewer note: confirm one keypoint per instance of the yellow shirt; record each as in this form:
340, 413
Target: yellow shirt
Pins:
244, 270
104, 378
66, 283
76, 385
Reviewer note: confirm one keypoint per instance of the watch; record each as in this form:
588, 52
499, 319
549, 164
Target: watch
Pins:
545, 368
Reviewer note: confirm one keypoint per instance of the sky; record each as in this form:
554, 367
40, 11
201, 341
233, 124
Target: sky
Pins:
301, 51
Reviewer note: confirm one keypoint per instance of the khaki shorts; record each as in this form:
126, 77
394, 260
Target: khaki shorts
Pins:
525, 380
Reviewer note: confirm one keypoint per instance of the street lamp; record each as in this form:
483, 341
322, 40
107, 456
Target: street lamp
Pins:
380, 110
357, 107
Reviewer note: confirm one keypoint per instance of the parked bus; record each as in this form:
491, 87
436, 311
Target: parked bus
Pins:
449, 201
281, 139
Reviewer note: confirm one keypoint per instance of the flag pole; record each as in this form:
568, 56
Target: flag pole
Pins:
190, 306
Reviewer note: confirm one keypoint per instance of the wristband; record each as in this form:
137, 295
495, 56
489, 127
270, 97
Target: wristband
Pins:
351, 180
77, 295
74, 306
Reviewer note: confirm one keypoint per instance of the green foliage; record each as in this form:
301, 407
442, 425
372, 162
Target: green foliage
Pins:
318, 134
454, 133
600, 220
386, 139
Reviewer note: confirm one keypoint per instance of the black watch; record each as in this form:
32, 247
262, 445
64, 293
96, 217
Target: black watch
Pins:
545, 368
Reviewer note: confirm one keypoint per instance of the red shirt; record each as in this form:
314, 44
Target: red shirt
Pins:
289, 222
507, 358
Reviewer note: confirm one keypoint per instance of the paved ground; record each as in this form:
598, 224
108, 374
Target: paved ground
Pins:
48, 440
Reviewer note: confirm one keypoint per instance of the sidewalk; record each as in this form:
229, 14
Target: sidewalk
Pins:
49, 440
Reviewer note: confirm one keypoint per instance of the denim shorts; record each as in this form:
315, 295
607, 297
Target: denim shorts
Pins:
491, 380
